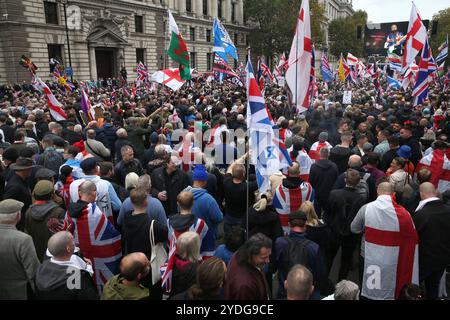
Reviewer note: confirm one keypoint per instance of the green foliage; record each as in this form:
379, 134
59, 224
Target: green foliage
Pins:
343, 35
443, 29
274, 22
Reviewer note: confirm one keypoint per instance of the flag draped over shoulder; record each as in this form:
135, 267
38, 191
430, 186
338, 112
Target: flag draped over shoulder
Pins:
170, 78
391, 250
439, 164
286, 201
299, 63
201, 228
99, 241
415, 38
178, 50
223, 45
54, 105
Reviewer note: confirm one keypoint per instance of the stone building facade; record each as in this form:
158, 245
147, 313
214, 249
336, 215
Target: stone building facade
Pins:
105, 35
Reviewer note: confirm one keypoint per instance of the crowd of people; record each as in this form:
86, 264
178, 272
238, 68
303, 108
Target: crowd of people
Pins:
125, 207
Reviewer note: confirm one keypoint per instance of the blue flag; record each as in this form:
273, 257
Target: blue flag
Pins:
223, 45
393, 83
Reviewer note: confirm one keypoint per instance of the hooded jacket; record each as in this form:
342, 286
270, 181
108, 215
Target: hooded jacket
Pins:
322, 176
184, 275
340, 155
116, 290
37, 217
206, 208
51, 283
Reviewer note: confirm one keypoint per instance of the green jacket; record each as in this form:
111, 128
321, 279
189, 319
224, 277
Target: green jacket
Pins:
136, 138
116, 290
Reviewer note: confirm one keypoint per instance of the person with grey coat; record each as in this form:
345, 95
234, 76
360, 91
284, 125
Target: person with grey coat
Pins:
18, 257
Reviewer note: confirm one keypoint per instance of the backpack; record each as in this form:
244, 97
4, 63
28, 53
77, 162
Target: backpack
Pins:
52, 159
362, 188
296, 253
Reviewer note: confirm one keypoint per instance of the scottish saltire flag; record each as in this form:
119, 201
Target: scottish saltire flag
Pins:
286, 201
420, 91
265, 154
393, 83
201, 228
443, 52
391, 249
439, 164
327, 72
98, 241
223, 45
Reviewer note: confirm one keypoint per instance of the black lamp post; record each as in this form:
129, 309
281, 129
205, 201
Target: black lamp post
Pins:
64, 3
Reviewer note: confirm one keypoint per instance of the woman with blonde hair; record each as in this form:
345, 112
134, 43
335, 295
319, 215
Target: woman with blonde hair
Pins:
262, 218
308, 208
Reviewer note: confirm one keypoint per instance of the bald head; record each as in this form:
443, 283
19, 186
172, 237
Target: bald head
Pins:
384, 188
134, 266
354, 161
427, 190
61, 245
294, 170
299, 283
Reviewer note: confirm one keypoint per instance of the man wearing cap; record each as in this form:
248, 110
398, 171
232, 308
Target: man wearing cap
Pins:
37, 216
95, 147
107, 198
17, 254
206, 208
17, 186
297, 249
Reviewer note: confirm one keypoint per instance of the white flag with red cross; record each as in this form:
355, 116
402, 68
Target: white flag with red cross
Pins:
169, 77
415, 38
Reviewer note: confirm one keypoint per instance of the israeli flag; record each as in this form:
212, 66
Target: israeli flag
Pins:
223, 45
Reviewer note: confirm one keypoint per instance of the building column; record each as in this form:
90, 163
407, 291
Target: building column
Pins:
198, 8
240, 12
213, 8
92, 63
181, 6
226, 10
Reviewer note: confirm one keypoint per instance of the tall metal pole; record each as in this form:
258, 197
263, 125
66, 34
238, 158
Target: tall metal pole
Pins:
67, 38
248, 158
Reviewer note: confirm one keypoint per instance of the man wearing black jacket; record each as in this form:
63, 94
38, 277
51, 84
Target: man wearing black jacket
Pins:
343, 207
433, 226
167, 182
322, 175
64, 276
406, 138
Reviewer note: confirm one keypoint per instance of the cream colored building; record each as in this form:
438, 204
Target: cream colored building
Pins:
105, 35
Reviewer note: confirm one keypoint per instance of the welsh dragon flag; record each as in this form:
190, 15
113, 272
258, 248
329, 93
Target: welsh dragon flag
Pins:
178, 50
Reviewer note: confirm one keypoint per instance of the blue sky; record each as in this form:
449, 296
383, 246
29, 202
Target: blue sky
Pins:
398, 10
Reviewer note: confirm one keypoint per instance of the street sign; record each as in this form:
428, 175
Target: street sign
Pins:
69, 71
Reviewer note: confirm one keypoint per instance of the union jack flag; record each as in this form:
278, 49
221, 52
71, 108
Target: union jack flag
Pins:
427, 67
98, 241
142, 72
286, 201
201, 228
61, 78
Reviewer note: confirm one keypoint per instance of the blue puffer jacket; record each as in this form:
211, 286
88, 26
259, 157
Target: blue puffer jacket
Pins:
206, 208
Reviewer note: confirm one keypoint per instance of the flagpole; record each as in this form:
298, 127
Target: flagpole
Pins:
248, 160
164, 74
296, 67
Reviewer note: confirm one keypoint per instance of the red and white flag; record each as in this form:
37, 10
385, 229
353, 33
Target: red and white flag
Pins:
170, 78
415, 38
286, 201
391, 250
304, 162
314, 152
439, 164
54, 105
352, 60
299, 63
